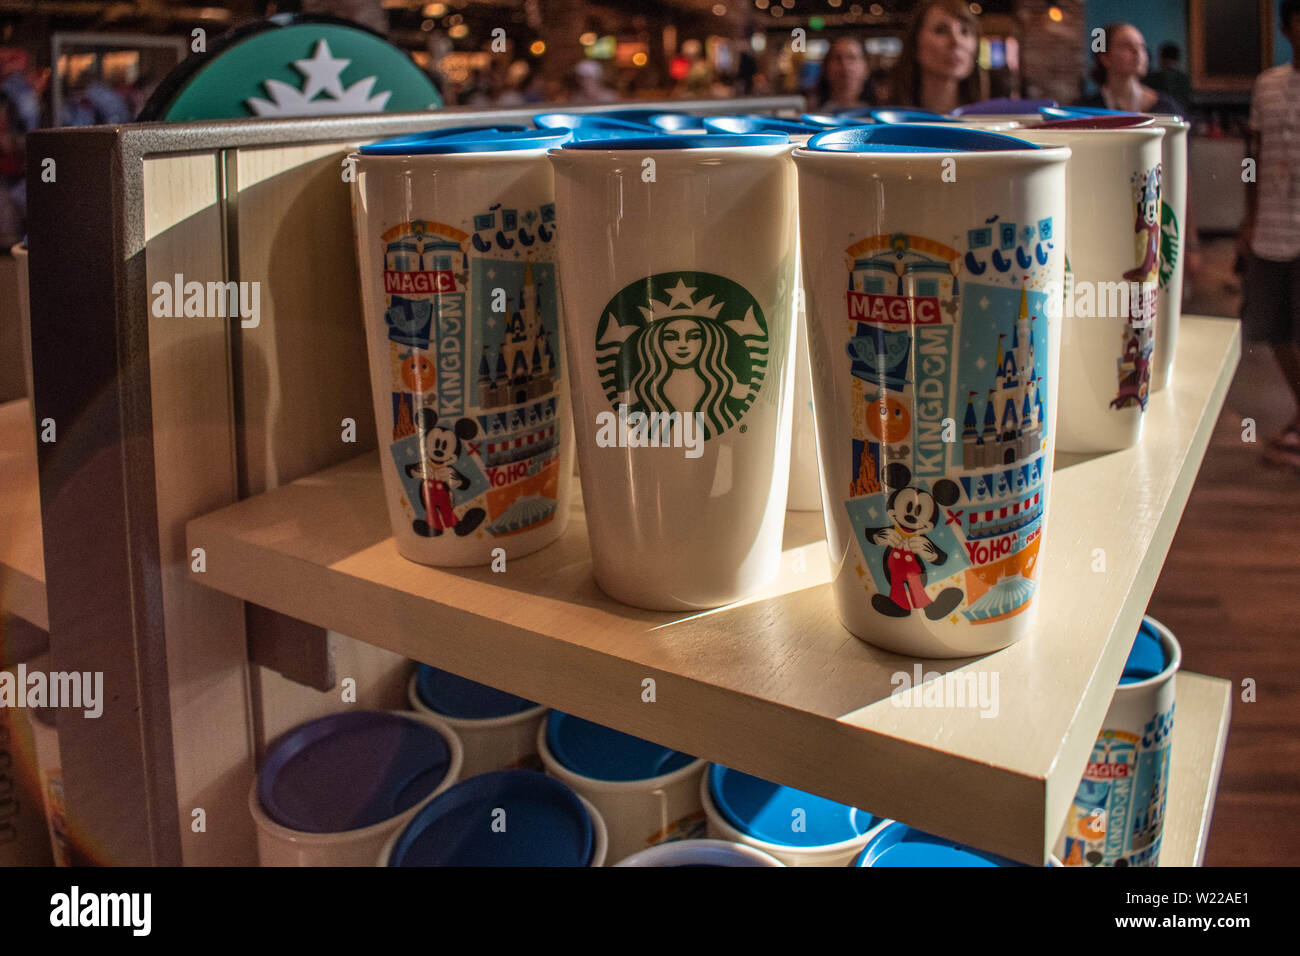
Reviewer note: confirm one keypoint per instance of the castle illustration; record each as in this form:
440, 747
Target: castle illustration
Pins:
1013, 412
866, 483
524, 369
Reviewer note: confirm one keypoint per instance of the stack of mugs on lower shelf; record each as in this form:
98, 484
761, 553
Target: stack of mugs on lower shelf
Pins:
454, 782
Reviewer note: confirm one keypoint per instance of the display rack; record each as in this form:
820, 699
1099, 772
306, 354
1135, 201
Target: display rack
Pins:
772, 685
160, 420
200, 434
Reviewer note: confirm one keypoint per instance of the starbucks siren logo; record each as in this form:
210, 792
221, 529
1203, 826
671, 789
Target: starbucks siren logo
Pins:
1168, 244
686, 342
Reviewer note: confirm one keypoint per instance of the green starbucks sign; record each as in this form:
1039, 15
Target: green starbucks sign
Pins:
292, 66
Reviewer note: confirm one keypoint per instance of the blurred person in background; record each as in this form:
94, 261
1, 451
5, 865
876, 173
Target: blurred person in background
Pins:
845, 79
1269, 241
588, 85
1171, 79
12, 225
93, 102
20, 113
512, 89
16, 86
936, 68
1118, 71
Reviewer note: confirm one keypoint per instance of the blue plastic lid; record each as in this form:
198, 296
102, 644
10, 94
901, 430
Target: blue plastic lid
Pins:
452, 696
545, 824
1003, 106
351, 770
631, 115
914, 138
900, 845
766, 811
587, 133
676, 122
1074, 112
1147, 658
682, 141
826, 121
897, 116
759, 124
603, 753
466, 139
589, 121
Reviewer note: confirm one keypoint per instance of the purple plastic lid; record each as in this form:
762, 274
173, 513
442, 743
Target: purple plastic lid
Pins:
351, 770
1116, 121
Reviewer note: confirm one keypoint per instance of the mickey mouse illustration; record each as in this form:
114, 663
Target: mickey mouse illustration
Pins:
442, 447
907, 549
1147, 226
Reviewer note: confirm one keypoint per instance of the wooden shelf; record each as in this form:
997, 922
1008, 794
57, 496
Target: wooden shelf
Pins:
1202, 708
774, 685
22, 556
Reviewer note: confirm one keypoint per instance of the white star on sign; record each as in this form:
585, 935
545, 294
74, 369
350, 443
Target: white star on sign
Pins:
871, 511
492, 273
984, 302
323, 72
680, 293
980, 363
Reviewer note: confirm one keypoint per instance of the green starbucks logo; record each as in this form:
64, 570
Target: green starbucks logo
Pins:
1168, 244
686, 342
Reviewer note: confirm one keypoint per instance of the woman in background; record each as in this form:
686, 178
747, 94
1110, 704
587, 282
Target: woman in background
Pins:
936, 68
1118, 72
845, 80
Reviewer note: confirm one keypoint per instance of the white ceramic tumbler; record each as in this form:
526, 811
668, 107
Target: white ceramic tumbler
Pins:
931, 255
1117, 816
1174, 239
1111, 291
455, 235
677, 265
646, 793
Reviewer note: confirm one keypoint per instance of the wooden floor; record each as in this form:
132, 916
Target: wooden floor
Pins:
1230, 591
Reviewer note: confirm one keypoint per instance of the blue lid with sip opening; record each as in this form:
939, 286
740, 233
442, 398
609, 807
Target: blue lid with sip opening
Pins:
649, 141
590, 121
765, 811
897, 116
546, 824
466, 139
826, 121
914, 138
901, 845
458, 697
677, 123
754, 123
1074, 112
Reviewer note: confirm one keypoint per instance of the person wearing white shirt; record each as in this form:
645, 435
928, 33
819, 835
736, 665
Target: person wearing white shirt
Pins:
1269, 241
